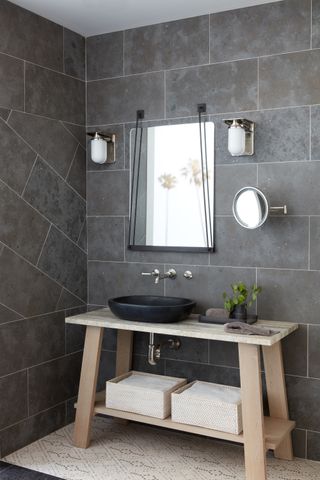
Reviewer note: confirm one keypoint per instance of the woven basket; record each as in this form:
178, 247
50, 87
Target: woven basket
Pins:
214, 413
142, 399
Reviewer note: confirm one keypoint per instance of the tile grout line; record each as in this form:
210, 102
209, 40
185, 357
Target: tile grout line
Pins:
43, 245
310, 133
71, 164
209, 35
13, 311
258, 83
311, 23
24, 86
309, 243
308, 336
28, 178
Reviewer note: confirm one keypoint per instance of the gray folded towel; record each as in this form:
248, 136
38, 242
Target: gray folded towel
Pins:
245, 329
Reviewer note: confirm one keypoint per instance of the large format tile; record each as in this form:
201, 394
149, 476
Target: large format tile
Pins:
299, 438
315, 24
207, 285
260, 30
82, 241
293, 184
315, 134
74, 54
54, 95
67, 300
29, 430
13, 399
282, 242
167, 45
284, 295
63, 261
107, 280
313, 446
117, 100
22, 228
77, 173
105, 56
225, 87
272, 142
314, 243
78, 132
314, 351
48, 138
106, 238
37, 340
38, 294
4, 113
53, 382
207, 373
49, 194
28, 36
108, 193
289, 80
11, 82
223, 354
295, 352
7, 315
16, 158
302, 397
229, 179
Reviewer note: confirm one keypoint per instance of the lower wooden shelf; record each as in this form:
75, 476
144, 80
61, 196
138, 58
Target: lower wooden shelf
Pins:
275, 429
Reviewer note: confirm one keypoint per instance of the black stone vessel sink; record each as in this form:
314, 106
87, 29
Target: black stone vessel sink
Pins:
152, 309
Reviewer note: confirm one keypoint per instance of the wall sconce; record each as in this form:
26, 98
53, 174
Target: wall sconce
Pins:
240, 137
99, 147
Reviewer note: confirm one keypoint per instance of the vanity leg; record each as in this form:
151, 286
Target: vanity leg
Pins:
124, 352
252, 412
277, 394
87, 387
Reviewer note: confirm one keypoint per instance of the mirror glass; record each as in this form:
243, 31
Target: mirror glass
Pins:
250, 207
172, 187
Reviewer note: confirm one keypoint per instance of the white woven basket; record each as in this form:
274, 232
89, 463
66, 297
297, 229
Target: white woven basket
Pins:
148, 394
213, 410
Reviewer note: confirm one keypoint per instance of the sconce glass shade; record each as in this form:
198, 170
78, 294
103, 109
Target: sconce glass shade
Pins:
236, 140
99, 151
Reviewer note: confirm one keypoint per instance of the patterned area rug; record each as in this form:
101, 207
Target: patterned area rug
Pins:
133, 452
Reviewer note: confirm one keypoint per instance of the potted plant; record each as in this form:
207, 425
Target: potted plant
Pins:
242, 298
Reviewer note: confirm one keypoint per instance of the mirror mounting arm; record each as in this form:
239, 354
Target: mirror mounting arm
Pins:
282, 210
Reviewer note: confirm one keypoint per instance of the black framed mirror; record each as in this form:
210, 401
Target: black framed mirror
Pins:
172, 186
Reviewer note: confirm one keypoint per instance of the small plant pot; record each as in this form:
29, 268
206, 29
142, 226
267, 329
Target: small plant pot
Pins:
239, 313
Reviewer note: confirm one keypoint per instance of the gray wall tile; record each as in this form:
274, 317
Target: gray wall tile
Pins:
74, 54
77, 173
191, 349
117, 100
4, 113
16, 158
29, 36
279, 299
27, 235
63, 261
38, 294
11, 82
313, 445
225, 87
53, 382
206, 373
315, 134
105, 56
109, 246
207, 284
293, 184
48, 138
295, 352
54, 95
223, 354
289, 80
281, 242
315, 24
13, 398
302, 396
107, 280
82, 242
67, 300
167, 45
78, 132
108, 193
49, 194
7, 315
37, 340
314, 351
299, 438
260, 30
140, 363
314, 243
272, 139
29, 430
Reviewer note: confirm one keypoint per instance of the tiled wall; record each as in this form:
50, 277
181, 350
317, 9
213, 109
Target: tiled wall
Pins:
262, 63
42, 222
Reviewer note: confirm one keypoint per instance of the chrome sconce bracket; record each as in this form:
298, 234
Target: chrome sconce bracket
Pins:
249, 130
110, 138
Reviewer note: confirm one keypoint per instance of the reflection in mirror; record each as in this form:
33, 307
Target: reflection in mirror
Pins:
172, 188
250, 208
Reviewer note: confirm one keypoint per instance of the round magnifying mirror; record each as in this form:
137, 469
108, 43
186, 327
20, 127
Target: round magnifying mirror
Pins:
250, 208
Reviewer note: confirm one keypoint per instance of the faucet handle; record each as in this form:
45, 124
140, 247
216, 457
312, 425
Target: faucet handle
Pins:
155, 273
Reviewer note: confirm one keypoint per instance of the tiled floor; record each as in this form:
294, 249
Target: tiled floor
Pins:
12, 472
132, 452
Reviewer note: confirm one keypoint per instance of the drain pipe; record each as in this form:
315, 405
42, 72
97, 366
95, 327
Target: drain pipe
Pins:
153, 351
